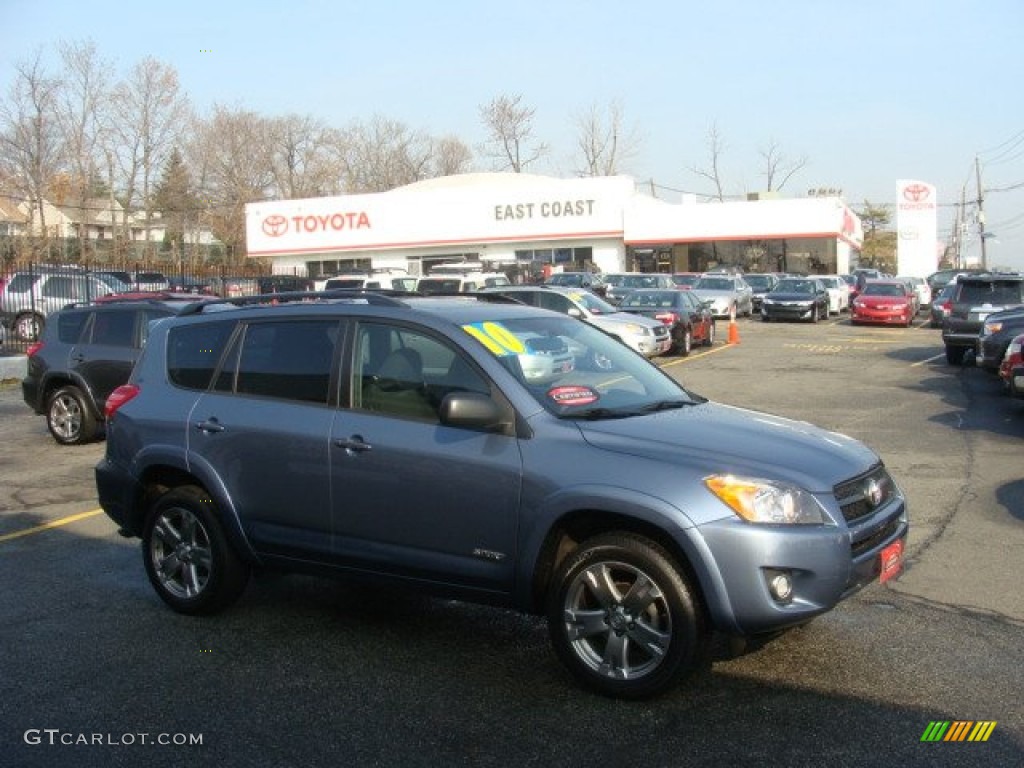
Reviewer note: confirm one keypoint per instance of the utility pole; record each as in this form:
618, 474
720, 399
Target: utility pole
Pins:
981, 213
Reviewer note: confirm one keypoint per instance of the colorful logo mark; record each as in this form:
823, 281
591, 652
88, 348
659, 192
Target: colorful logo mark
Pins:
958, 730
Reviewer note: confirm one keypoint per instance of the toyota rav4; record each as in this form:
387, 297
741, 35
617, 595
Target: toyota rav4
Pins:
412, 440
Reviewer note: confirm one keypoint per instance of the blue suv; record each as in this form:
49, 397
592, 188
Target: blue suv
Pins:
492, 452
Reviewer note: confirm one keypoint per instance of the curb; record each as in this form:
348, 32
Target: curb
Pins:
14, 367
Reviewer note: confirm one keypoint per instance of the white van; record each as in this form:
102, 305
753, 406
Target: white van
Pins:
455, 278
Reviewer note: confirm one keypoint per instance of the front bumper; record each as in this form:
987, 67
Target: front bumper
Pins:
989, 353
825, 563
787, 311
899, 316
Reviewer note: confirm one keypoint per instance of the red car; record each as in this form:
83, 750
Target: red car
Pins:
885, 302
1009, 368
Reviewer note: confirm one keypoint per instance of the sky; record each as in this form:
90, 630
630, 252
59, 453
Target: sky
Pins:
866, 93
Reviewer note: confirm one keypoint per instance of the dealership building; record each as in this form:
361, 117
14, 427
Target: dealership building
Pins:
525, 224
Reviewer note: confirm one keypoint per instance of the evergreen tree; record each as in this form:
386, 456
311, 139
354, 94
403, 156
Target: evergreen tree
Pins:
176, 201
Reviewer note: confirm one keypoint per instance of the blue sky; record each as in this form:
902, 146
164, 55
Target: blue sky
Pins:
868, 92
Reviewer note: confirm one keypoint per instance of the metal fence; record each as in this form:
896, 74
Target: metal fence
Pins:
30, 291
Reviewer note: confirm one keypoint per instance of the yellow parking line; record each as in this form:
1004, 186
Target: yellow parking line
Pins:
693, 356
52, 524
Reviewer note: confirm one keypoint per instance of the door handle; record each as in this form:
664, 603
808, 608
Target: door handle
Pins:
355, 444
209, 426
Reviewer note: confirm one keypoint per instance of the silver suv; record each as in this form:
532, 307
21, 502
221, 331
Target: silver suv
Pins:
645, 335
28, 298
413, 441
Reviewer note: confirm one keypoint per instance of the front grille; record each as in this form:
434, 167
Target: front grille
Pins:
865, 545
861, 496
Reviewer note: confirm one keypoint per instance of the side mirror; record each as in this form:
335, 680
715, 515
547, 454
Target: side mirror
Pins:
471, 410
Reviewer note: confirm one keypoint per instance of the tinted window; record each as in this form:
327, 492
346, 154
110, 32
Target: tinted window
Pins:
287, 360
991, 292
114, 329
193, 352
69, 326
21, 282
556, 302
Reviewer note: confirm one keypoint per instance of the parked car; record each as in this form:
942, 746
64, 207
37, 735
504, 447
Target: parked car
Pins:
399, 440
942, 305
995, 336
1011, 369
686, 280
884, 302
375, 281
729, 295
921, 290
233, 287
641, 334
689, 321
589, 280
84, 353
460, 283
28, 298
838, 293
190, 284
631, 281
974, 298
796, 298
760, 284
151, 281
941, 278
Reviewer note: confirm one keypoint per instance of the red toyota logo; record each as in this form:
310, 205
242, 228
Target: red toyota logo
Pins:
275, 225
916, 193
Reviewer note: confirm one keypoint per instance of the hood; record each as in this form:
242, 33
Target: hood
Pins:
713, 438
788, 296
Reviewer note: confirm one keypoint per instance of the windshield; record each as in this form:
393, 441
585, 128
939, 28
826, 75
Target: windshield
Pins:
795, 286
759, 282
576, 371
430, 285
714, 284
884, 289
592, 303
651, 299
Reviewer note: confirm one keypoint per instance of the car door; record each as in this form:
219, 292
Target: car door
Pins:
410, 496
265, 428
106, 351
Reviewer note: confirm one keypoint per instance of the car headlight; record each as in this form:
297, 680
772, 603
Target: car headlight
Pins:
642, 330
766, 501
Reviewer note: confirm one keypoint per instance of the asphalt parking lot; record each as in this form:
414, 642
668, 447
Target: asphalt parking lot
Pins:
307, 672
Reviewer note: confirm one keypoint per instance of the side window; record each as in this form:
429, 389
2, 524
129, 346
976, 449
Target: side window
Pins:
290, 360
193, 352
555, 301
69, 326
114, 329
149, 317
403, 373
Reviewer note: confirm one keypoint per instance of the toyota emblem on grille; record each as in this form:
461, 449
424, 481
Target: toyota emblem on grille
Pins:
873, 492
275, 225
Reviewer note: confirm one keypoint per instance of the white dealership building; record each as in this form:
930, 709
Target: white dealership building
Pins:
524, 224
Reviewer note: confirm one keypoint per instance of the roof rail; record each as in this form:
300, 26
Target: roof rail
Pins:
377, 296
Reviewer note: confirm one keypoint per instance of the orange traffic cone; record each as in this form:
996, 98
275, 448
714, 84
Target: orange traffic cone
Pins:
734, 331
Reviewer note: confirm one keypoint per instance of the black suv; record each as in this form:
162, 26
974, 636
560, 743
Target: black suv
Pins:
85, 352
974, 298
485, 450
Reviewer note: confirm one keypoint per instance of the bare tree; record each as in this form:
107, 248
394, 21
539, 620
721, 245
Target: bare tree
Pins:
301, 160
384, 154
80, 114
30, 140
777, 167
451, 156
230, 161
716, 146
149, 113
509, 126
604, 142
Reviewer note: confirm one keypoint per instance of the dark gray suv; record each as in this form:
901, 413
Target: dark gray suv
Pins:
492, 452
973, 299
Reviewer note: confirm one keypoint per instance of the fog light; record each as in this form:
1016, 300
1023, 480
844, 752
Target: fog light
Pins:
781, 587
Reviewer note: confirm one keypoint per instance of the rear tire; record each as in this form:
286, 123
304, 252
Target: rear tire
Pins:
624, 619
188, 559
709, 340
955, 355
28, 327
685, 346
69, 418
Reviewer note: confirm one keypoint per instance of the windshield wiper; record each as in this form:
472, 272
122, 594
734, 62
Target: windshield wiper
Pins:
594, 414
665, 405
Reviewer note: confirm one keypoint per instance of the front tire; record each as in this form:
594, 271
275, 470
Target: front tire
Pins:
624, 619
709, 340
187, 556
69, 418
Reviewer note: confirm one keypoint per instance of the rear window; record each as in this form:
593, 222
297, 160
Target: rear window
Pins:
991, 292
193, 352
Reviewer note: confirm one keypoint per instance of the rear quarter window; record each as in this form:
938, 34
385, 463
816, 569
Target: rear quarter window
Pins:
69, 326
194, 350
